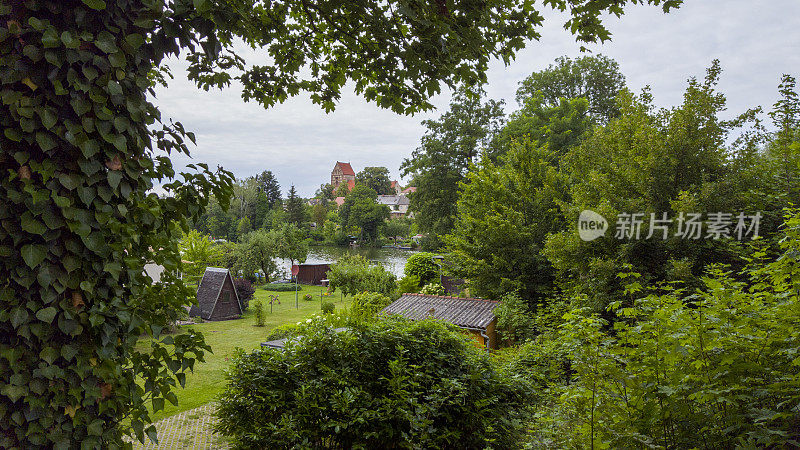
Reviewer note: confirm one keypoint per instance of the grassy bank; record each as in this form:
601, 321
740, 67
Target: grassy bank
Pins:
224, 337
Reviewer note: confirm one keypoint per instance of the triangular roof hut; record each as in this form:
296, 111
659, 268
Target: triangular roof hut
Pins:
217, 298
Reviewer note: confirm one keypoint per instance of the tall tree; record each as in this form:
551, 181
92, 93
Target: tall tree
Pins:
595, 78
268, 184
292, 244
376, 178
439, 164
83, 148
257, 252
361, 210
296, 209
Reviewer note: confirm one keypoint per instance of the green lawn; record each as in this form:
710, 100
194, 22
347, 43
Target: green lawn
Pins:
208, 378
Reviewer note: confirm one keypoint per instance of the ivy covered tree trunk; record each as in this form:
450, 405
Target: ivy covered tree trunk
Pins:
78, 222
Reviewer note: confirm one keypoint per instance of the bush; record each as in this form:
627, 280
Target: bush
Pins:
412, 384
421, 265
353, 274
408, 284
433, 289
259, 310
328, 308
367, 304
308, 297
283, 331
245, 290
281, 287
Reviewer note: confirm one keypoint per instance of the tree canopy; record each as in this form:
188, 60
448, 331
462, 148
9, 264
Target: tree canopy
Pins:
376, 178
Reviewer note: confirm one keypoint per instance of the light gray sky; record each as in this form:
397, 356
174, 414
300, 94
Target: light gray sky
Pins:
756, 42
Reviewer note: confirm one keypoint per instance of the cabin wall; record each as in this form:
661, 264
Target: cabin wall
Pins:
227, 306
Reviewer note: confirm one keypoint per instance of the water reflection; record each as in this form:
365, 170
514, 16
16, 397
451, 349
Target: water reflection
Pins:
392, 258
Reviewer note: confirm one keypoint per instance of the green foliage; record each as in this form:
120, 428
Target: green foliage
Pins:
408, 284
258, 308
506, 212
283, 331
258, 252
292, 244
419, 385
432, 289
421, 265
328, 307
377, 179
669, 161
282, 287
446, 151
353, 274
361, 210
367, 304
396, 228
199, 252
268, 185
596, 78
296, 209
717, 367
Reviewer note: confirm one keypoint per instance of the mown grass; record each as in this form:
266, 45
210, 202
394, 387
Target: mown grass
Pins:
208, 378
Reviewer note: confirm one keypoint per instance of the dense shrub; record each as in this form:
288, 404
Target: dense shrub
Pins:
433, 289
717, 368
259, 313
328, 308
367, 304
245, 290
408, 384
353, 274
281, 287
408, 284
283, 331
421, 265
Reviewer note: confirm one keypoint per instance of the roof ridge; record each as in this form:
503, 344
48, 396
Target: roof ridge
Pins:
451, 297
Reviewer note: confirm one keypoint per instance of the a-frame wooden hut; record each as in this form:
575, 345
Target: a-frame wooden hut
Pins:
217, 298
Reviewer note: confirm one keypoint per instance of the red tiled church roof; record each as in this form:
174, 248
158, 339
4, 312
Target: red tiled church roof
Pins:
347, 169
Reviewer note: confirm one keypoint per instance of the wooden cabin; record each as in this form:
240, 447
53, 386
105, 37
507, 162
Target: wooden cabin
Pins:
313, 273
217, 298
474, 315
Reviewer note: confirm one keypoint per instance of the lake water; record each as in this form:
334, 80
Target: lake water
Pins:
393, 259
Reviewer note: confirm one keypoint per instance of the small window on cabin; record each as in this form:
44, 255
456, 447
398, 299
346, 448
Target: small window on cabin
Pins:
226, 296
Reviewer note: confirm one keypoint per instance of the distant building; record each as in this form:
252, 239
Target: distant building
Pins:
409, 190
343, 173
398, 204
396, 187
339, 201
474, 315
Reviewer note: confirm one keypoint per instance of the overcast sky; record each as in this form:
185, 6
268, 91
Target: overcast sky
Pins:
756, 42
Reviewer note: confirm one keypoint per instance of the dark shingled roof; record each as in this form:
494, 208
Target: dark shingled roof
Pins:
462, 312
208, 292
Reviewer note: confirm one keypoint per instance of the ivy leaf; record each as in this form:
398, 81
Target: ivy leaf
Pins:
47, 314
95, 4
45, 141
33, 254
18, 317
50, 38
49, 118
31, 225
